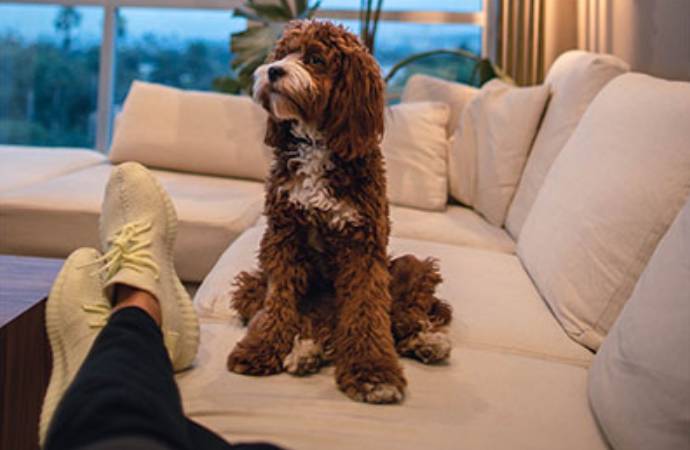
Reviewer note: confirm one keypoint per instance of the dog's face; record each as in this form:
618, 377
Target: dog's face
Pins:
321, 76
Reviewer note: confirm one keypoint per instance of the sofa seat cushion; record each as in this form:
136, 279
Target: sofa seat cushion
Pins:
481, 399
456, 225
22, 166
54, 217
495, 304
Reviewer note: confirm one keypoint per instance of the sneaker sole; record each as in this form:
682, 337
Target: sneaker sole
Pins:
58, 376
190, 321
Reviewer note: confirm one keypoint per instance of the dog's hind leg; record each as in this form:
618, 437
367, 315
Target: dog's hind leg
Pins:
249, 293
418, 318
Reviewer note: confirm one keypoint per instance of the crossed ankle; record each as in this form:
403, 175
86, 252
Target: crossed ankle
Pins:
127, 296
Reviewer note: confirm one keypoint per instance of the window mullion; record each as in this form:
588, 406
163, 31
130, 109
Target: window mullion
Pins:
106, 75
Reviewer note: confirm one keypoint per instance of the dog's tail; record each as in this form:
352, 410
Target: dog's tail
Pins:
249, 293
415, 305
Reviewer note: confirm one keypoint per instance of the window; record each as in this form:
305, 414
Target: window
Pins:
396, 40
49, 59
177, 47
410, 5
66, 68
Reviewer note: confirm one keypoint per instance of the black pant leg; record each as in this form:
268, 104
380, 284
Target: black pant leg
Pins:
125, 387
125, 391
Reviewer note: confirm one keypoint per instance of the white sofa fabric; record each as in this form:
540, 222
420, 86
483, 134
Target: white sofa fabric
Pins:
611, 194
575, 78
639, 385
59, 215
509, 356
457, 225
24, 166
423, 88
415, 149
506, 314
492, 143
190, 131
479, 400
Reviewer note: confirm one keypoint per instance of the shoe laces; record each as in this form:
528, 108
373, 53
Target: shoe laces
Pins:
99, 312
130, 250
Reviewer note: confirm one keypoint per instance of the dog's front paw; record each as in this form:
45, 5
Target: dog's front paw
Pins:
373, 383
305, 357
254, 360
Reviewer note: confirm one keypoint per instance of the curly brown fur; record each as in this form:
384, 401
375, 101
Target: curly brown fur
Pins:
323, 290
418, 318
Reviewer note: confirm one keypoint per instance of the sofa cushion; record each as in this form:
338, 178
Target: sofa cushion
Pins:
190, 131
491, 145
423, 88
54, 217
607, 200
22, 166
639, 383
481, 399
495, 304
456, 225
415, 149
574, 79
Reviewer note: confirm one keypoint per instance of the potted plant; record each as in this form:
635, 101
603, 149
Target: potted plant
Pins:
251, 46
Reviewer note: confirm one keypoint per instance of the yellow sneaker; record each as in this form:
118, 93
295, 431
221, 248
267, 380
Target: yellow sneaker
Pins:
76, 311
137, 231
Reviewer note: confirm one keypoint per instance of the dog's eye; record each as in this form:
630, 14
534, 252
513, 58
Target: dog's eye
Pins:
315, 60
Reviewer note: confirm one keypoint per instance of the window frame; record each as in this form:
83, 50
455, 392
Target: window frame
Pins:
106, 74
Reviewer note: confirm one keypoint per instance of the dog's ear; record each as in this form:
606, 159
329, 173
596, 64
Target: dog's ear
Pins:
353, 123
277, 133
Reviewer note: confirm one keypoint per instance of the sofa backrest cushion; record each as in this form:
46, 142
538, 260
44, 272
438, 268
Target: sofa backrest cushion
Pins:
639, 383
190, 131
423, 88
607, 200
490, 147
415, 149
574, 79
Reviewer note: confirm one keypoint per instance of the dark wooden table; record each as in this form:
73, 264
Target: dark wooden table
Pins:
25, 359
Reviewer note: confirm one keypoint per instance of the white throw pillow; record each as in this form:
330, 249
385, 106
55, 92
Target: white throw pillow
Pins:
415, 149
423, 88
190, 131
491, 145
574, 78
639, 383
607, 200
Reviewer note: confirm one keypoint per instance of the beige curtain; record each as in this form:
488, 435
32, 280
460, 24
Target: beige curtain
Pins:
530, 34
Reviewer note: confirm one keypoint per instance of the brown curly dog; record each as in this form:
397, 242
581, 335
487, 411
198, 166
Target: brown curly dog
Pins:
326, 289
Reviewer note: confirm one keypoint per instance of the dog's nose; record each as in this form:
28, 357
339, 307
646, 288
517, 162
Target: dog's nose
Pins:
274, 73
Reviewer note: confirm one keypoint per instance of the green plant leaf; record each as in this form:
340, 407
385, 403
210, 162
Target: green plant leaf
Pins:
227, 85
271, 12
309, 12
286, 7
248, 43
301, 7
248, 14
252, 46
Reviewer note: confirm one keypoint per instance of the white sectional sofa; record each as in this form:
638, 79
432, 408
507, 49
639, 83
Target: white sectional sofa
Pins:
605, 175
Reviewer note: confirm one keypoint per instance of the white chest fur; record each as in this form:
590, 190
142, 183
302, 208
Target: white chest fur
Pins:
310, 188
